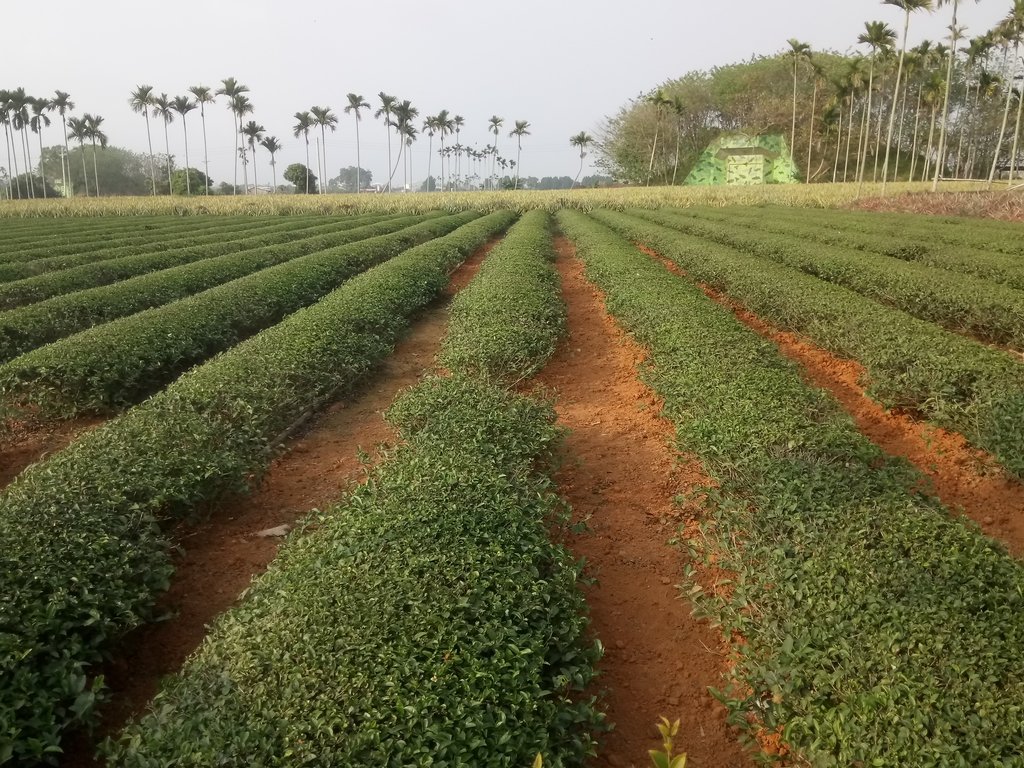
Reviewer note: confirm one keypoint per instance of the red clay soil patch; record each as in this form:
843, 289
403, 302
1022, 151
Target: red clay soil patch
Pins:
622, 475
24, 443
965, 479
222, 555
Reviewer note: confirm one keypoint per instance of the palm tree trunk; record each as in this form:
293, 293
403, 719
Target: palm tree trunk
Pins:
519, 154
319, 167
307, 161
903, 130
206, 155
792, 132
65, 159
237, 130
917, 135
810, 131
1016, 135
95, 169
430, 158
167, 148
10, 166
255, 180
358, 160
849, 136
188, 176
895, 98
675, 164
440, 159
963, 130
940, 160
878, 131
387, 127
1002, 129
865, 137
28, 165
323, 143
245, 157
149, 139
972, 141
85, 172
12, 158
931, 138
42, 167
650, 165
273, 170
839, 145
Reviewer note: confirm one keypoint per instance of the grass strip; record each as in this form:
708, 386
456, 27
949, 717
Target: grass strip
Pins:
85, 555
872, 628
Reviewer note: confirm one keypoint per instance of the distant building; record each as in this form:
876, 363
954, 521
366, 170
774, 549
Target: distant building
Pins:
739, 159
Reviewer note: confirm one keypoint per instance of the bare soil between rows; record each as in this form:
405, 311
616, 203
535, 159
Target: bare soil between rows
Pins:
621, 476
27, 442
965, 479
222, 555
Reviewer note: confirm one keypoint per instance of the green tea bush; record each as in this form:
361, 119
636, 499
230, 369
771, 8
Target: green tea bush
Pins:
957, 383
871, 626
84, 556
508, 320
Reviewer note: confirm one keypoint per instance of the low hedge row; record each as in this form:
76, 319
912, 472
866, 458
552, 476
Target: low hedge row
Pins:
508, 321
47, 260
425, 619
961, 303
901, 241
871, 627
911, 364
62, 234
31, 326
126, 360
44, 286
84, 556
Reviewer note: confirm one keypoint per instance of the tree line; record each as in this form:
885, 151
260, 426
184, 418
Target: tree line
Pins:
32, 174
932, 111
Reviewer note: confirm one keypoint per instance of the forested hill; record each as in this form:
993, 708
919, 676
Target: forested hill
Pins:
833, 125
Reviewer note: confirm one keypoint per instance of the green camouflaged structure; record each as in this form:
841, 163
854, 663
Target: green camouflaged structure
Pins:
735, 158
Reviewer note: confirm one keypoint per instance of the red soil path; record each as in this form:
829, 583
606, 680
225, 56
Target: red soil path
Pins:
222, 555
964, 478
621, 476
25, 443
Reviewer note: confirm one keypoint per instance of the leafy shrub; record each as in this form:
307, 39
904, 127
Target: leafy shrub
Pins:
84, 556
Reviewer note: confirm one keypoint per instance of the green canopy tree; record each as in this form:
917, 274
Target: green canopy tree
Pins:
303, 178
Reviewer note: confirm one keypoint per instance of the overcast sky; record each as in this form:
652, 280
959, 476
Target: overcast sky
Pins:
561, 64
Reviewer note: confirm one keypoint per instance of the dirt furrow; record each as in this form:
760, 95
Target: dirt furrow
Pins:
622, 476
221, 556
964, 478
23, 443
